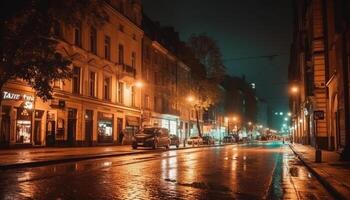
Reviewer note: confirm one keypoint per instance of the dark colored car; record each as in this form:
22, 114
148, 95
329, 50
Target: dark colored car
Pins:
208, 140
151, 137
228, 139
174, 141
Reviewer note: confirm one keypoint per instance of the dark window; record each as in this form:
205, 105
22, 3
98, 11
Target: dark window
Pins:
155, 78
133, 60
146, 102
77, 35
93, 40
120, 92
121, 54
107, 88
107, 47
121, 28
92, 84
76, 80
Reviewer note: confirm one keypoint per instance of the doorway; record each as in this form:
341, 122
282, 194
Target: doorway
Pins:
89, 127
72, 125
119, 130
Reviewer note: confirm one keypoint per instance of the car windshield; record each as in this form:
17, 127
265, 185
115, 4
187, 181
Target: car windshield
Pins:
148, 131
194, 137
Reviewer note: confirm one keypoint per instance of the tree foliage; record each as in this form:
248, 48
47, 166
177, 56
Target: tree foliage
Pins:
206, 50
28, 41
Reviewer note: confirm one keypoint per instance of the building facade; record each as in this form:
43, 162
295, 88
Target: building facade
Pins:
167, 81
99, 101
319, 67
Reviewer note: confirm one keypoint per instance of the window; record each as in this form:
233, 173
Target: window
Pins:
147, 106
155, 78
92, 84
121, 28
76, 80
134, 36
133, 96
133, 60
77, 35
93, 40
155, 104
107, 88
57, 84
121, 54
120, 92
107, 47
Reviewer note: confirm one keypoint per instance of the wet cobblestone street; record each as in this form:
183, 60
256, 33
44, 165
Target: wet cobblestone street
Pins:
267, 170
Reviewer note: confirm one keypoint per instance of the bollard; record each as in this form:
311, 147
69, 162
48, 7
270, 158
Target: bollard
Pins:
318, 155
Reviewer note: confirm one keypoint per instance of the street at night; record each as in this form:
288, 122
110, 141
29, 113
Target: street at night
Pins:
260, 170
174, 99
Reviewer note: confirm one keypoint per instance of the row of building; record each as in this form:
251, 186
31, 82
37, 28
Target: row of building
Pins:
125, 75
319, 74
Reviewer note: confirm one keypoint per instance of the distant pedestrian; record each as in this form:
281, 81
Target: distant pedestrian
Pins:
121, 136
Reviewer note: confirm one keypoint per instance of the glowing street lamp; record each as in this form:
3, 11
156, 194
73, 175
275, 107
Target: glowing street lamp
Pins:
294, 89
234, 119
250, 123
139, 84
190, 99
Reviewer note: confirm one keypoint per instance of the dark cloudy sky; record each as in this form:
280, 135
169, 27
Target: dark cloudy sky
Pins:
242, 28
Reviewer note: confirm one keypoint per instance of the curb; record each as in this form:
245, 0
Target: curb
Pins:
90, 157
322, 177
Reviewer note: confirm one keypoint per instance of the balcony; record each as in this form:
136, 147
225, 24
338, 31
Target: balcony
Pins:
127, 72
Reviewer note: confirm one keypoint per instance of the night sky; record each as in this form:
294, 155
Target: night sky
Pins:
246, 31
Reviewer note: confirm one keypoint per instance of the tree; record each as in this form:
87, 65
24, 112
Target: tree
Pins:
198, 54
206, 50
28, 40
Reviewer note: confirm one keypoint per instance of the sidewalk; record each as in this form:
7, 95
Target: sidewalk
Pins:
333, 174
31, 157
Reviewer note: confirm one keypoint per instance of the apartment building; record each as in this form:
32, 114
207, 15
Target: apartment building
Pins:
99, 101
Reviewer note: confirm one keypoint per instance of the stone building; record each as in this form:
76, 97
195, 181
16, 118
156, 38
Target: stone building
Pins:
319, 68
99, 101
166, 78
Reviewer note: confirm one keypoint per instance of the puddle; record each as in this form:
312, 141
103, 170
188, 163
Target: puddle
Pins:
294, 171
204, 186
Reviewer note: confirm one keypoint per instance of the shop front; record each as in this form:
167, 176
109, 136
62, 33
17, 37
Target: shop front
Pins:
132, 125
105, 128
20, 122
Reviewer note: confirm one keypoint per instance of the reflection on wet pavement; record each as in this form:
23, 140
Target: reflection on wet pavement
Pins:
253, 171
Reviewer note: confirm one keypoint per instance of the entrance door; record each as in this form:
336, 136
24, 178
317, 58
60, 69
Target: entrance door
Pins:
72, 125
89, 127
50, 132
37, 132
119, 130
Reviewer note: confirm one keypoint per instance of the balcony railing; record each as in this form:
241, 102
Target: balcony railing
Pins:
127, 71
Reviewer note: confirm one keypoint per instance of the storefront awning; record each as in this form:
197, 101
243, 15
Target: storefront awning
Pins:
132, 121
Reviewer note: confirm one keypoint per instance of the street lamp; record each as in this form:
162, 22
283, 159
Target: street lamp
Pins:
294, 89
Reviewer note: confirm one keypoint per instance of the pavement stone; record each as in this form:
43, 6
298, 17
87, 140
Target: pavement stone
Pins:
333, 173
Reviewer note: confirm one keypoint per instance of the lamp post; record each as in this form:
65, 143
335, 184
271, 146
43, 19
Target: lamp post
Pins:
190, 100
294, 90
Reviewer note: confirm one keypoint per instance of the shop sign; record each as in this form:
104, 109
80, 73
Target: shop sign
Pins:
15, 96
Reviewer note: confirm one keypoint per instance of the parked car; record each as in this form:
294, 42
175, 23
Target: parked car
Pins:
228, 139
195, 140
208, 140
151, 137
174, 140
